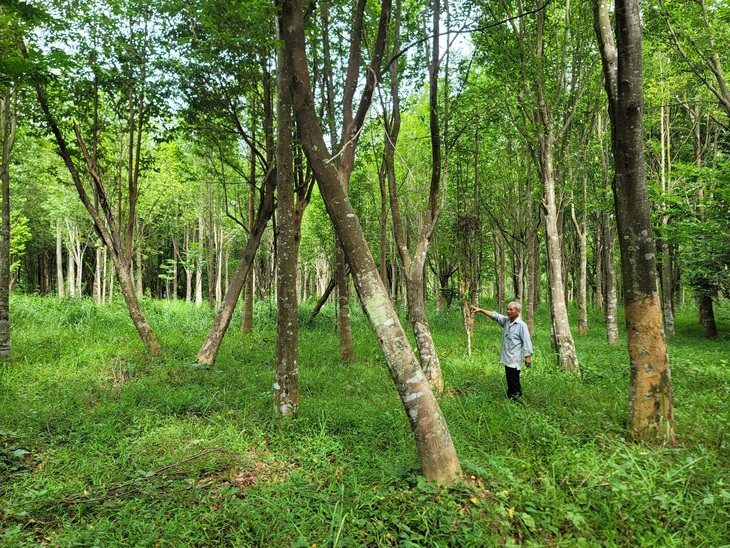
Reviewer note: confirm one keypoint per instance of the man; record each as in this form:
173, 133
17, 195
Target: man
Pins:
516, 345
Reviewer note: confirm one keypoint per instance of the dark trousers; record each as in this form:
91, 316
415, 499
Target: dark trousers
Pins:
514, 390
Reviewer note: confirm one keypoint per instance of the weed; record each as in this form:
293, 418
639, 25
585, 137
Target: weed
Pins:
100, 445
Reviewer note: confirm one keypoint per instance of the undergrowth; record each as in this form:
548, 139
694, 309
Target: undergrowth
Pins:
101, 445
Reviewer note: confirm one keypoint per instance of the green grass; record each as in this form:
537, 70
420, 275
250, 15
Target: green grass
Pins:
102, 446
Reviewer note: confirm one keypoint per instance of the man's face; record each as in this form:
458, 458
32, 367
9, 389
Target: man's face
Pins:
512, 312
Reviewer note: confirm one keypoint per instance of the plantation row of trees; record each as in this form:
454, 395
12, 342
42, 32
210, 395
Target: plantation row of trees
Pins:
207, 150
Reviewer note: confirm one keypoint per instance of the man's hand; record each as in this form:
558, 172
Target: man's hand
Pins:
528, 361
475, 309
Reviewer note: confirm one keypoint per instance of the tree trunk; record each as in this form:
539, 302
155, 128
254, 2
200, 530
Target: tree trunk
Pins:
707, 317
433, 441
126, 286
499, 268
140, 278
210, 263
666, 259
97, 274
7, 127
59, 260
581, 229
564, 345
248, 291
651, 403
347, 347
611, 313
199, 261
187, 265
286, 377
323, 299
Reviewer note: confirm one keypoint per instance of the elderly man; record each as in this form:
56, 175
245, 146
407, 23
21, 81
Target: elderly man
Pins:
516, 345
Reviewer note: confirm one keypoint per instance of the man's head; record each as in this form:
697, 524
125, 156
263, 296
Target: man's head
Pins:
513, 310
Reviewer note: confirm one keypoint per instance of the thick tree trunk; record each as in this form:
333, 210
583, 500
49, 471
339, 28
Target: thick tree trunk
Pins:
433, 441
286, 377
209, 348
651, 403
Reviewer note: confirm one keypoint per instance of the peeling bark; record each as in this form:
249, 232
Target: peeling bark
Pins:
651, 403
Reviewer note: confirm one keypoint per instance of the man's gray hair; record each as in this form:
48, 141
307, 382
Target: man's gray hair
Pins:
517, 305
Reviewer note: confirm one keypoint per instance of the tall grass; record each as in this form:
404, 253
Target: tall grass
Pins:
102, 446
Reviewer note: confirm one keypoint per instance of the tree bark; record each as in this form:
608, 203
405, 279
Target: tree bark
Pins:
59, 260
651, 403
581, 229
433, 441
199, 260
8, 120
707, 317
248, 291
666, 258
286, 377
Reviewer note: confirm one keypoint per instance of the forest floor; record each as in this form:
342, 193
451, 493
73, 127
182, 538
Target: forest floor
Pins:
101, 445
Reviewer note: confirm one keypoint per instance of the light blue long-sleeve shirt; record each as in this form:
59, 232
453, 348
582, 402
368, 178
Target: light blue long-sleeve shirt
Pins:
516, 342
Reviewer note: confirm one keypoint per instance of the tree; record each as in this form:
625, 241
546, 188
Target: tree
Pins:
703, 231
8, 120
286, 379
125, 73
651, 403
433, 441
414, 265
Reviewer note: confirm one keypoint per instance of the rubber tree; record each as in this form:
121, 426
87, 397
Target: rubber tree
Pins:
131, 47
651, 402
414, 264
433, 441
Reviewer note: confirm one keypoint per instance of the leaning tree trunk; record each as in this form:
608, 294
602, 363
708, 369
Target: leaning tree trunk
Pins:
433, 440
248, 290
651, 402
